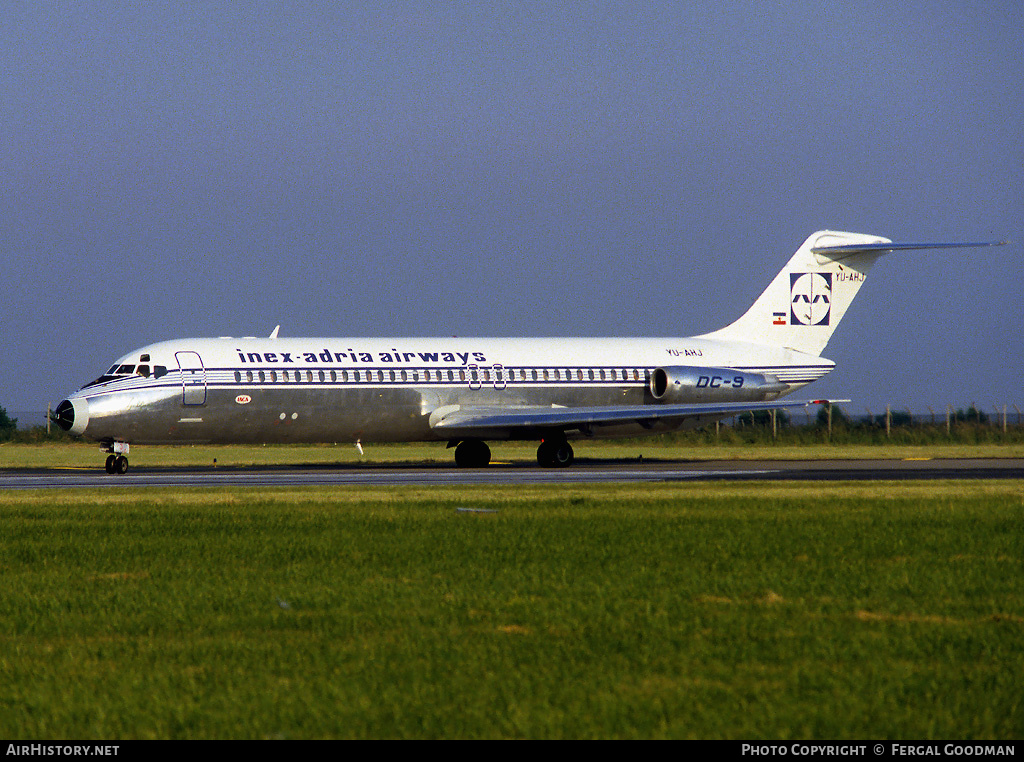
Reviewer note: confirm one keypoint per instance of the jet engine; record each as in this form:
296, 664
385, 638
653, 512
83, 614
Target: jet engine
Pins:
682, 384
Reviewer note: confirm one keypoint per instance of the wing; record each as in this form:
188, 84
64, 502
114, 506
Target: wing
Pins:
456, 421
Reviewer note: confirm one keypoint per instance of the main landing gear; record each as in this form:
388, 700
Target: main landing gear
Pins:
552, 453
472, 453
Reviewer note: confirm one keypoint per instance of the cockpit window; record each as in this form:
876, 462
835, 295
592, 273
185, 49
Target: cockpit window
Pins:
120, 371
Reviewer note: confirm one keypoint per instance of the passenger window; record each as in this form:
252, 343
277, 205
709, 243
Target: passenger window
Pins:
273, 375
334, 376
248, 376
405, 376
321, 375
238, 377
591, 374
263, 377
579, 375
462, 375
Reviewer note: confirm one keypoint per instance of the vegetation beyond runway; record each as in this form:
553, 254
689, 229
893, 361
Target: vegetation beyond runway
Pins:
78, 454
748, 610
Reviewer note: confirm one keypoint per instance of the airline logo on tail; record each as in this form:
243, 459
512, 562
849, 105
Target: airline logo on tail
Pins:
810, 298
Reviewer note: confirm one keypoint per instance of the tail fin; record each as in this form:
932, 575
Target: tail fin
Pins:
803, 305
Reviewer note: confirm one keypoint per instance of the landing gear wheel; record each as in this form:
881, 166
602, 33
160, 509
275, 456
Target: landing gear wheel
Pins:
472, 454
555, 454
111, 461
121, 464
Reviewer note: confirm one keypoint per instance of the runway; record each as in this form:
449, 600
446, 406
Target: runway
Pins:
585, 472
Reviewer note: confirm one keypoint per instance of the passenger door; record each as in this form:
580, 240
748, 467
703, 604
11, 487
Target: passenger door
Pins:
193, 378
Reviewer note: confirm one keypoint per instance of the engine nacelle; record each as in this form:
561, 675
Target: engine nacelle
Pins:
682, 384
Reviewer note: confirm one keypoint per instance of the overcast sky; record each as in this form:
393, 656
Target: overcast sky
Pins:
509, 169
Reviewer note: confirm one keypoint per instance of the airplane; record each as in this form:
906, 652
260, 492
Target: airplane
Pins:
468, 391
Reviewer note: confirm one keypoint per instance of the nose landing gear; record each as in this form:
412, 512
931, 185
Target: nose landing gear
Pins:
117, 464
117, 460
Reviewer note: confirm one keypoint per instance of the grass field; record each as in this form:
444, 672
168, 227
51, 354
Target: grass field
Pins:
79, 454
751, 610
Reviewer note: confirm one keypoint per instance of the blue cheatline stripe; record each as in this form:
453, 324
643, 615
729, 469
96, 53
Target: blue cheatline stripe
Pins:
461, 376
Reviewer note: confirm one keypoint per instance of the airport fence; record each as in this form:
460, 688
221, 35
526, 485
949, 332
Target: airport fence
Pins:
893, 424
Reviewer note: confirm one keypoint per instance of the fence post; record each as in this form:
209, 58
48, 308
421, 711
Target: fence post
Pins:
775, 431
829, 421
1004, 419
932, 412
888, 422
949, 412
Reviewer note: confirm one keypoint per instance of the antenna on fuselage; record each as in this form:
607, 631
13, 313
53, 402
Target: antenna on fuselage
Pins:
273, 334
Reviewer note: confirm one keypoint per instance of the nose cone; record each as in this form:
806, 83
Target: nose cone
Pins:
72, 415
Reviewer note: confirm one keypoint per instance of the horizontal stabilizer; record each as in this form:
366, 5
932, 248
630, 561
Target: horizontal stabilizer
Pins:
837, 253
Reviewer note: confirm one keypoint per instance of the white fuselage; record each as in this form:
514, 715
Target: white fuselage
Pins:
254, 390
